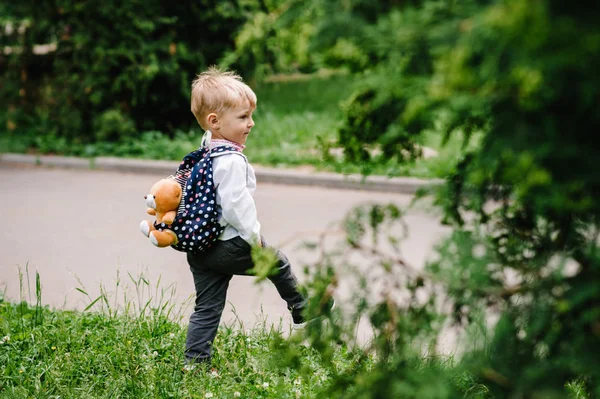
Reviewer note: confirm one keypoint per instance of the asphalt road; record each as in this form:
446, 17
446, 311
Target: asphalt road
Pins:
80, 229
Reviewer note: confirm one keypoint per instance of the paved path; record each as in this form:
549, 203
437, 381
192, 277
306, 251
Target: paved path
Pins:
72, 225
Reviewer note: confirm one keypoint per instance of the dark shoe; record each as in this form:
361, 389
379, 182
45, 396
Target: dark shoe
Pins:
300, 321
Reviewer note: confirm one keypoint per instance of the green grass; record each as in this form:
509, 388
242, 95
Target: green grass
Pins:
294, 117
90, 355
107, 354
438, 166
136, 350
129, 343
291, 116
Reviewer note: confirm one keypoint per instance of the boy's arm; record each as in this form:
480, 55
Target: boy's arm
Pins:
237, 205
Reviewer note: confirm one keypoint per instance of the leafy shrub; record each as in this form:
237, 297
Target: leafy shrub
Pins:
271, 42
131, 62
346, 54
113, 125
369, 120
526, 200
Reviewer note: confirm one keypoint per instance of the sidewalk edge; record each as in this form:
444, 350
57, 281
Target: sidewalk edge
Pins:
403, 185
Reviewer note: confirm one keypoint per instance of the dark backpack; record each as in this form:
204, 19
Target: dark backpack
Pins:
197, 222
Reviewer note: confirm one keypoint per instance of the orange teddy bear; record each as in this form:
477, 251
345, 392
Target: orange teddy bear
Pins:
162, 202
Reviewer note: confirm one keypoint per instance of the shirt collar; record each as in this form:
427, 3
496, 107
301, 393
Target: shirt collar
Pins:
213, 143
221, 142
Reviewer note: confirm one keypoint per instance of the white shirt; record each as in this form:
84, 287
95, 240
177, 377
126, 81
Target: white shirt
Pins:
235, 183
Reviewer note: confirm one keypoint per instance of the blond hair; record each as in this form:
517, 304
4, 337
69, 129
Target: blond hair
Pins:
217, 91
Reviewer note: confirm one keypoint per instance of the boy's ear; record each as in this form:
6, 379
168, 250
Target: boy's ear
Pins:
212, 120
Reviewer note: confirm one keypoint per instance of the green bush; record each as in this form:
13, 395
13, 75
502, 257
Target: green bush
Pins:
270, 43
527, 200
369, 119
113, 125
115, 62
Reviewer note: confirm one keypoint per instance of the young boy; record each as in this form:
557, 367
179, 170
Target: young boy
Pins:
223, 106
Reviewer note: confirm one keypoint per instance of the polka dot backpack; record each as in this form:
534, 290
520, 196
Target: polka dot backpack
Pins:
197, 223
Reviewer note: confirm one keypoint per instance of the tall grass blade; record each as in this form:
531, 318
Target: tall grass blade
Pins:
38, 294
28, 282
92, 304
21, 314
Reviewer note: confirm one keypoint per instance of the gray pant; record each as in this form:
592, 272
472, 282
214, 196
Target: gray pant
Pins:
212, 271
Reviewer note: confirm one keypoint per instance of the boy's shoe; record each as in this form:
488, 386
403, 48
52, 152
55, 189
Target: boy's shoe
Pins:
300, 321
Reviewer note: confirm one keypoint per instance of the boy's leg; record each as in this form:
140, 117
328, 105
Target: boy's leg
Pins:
234, 257
211, 293
286, 283
212, 271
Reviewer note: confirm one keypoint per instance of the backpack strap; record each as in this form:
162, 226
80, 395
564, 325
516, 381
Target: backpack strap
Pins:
184, 171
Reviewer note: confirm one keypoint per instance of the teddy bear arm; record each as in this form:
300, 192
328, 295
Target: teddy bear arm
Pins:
169, 217
151, 211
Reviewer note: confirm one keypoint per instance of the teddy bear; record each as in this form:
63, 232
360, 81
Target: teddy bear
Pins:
162, 202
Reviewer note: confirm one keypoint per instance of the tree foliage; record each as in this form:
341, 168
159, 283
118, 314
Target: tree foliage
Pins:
516, 72
523, 264
269, 43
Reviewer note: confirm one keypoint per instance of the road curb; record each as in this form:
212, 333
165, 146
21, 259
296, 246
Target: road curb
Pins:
404, 185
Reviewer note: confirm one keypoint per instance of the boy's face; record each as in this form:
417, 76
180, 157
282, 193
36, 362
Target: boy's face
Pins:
235, 124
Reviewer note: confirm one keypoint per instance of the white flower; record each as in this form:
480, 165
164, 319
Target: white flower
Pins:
154, 354
189, 367
208, 395
214, 373
297, 393
236, 394
297, 381
265, 385
6, 338
172, 335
